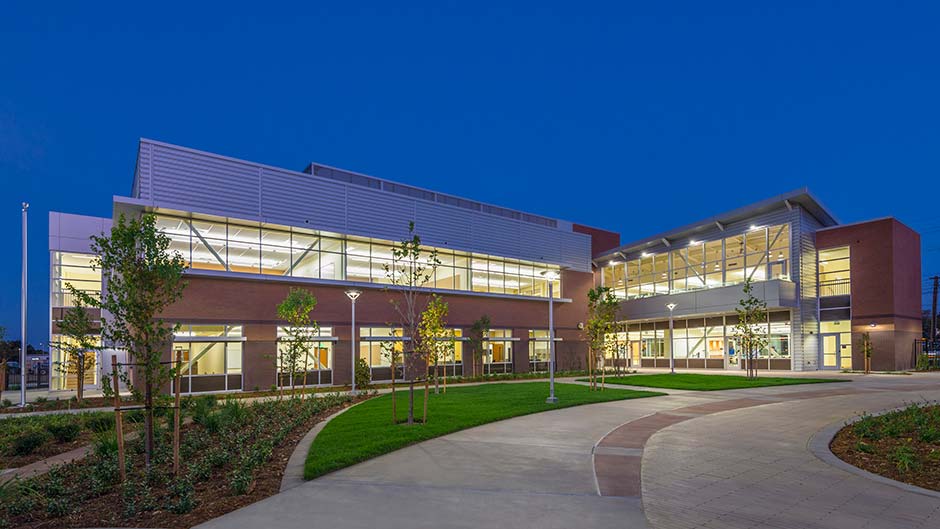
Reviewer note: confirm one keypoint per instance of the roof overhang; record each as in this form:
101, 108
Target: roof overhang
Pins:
800, 197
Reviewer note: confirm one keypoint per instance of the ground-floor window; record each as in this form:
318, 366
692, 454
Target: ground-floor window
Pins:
211, 357
497, 351
63, 365
701, 340
316, 363
539, 352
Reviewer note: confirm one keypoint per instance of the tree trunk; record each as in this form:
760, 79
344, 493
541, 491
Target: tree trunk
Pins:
394, 415
303, 390
424, 417
148, 422
411, 400
3, 377
80, 382
437, 379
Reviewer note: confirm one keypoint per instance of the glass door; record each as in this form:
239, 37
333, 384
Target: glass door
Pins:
830, 351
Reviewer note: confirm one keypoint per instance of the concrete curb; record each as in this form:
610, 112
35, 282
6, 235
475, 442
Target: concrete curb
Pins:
294, 471
819, 443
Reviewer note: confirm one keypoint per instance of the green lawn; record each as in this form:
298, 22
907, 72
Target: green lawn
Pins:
366, 430
693, 381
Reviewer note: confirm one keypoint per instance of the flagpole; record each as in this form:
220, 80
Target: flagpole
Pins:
23, 315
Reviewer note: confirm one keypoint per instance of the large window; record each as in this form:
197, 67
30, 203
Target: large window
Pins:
215, 244
64, 371
834, 272
539, 352
371, 348
759, 254
211, 355
318, 358
74, 269
498, 347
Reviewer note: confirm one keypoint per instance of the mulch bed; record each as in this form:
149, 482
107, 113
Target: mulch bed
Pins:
845, 445
47, 450
213, 495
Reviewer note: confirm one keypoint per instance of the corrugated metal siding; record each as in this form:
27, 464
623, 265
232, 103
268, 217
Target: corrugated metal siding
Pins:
444, 226
141, 186
202, 182
806, 319
287, 195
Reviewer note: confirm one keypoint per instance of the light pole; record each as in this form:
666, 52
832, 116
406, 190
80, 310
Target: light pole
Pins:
551, 276
672, 343
353, 295
23, 315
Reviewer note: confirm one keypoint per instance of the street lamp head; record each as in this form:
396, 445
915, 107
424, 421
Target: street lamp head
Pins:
25, 206
353, 294
671, 306
551, 275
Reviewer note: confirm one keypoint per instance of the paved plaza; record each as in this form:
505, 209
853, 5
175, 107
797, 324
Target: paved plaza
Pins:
730, 459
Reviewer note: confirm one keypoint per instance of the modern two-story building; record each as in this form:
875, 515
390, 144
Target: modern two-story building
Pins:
249, 232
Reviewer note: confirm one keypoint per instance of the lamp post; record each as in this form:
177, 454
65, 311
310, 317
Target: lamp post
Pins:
672, 343
353, 295
551, 276
23, 315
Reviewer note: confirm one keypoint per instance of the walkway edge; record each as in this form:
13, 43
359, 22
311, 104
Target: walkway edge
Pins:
819, 446
294, 471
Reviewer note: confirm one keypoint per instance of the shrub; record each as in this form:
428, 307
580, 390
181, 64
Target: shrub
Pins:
862, 446
904, 458
99, 422
6, 403
241, 479
41, 400
105, 444
28, 441
64, 432
57, 507
363, 374
182, 497
930, 434
233, 411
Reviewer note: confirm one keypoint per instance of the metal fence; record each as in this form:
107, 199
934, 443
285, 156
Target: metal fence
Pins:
35, 378
926, 355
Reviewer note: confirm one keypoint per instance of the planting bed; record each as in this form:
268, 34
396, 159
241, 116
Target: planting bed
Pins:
903, 445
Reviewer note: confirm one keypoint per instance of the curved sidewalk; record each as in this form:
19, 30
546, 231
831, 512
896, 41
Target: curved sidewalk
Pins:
754, 467
719, 459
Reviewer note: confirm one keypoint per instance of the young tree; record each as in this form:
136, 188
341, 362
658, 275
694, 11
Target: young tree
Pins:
391, 351
142, 279
411, 269
602, 317
476, 341
295, 310
433, 334
78, 345
867, 351
750, 332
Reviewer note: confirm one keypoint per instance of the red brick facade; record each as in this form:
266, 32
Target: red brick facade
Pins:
885, 288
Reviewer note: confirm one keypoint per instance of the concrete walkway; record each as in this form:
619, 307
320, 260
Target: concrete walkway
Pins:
706, 459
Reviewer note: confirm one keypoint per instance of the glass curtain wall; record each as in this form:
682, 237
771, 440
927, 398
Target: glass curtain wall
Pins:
211, 355
835, 273
703, 342
759, 254
318, 360
295, 252
74, 268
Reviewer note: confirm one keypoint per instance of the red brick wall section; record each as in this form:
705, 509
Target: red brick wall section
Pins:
601, 240
886, 280
253, 302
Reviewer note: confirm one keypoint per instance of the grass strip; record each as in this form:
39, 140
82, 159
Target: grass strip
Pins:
697, 382
367, 431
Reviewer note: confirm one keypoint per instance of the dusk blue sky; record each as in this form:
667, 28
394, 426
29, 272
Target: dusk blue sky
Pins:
631, 116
